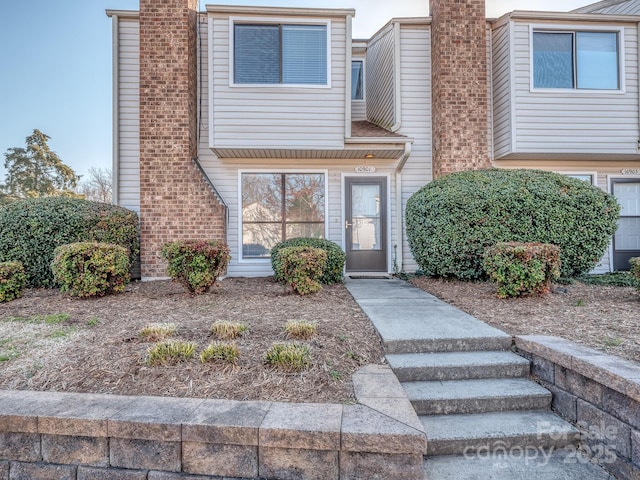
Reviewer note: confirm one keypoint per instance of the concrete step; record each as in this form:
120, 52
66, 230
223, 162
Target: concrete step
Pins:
411, 367
538, 464
496, 431
476, 396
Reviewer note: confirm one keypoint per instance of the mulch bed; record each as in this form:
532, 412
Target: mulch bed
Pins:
603, 317
101, 351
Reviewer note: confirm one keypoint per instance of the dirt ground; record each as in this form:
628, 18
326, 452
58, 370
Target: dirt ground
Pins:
603, 317
94, 345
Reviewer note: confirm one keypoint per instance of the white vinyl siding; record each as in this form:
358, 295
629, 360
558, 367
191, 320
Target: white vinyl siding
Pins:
276, 116
415, 72
128, 181
380, 85
563, 121
501, 72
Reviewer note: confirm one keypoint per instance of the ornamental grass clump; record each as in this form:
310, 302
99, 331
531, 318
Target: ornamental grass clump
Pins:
228, 330
87, 269
521, 269
170, 352
302, 268
220, 352
155, 332
12, 280
300, 329
289, 357
196, 264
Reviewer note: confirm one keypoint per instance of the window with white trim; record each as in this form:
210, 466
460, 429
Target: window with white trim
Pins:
587, 59
357, 80
278, 206
280, 54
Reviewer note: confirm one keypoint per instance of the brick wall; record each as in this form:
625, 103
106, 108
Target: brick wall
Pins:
175, 200
459, 86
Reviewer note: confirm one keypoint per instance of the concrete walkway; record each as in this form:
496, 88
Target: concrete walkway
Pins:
479, 409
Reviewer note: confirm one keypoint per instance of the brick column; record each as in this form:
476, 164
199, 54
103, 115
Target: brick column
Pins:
459, 86
175, 201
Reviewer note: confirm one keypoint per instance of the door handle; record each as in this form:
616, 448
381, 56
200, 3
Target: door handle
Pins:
347, 224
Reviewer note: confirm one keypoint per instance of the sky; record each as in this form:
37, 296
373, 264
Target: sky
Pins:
55, 65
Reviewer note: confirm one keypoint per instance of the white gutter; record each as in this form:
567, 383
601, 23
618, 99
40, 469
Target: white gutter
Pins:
399, 219
115, 145
638, 42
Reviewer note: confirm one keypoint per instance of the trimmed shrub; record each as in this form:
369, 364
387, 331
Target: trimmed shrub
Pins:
33, 228
635, 269
302, 268
453, 219
87, 269
12, 280
332, 272
521, 269
196, 264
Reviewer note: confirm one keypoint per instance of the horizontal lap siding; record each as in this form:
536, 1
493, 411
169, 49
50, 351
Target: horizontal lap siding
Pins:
380, 87
277, 117
128, 114
415, 69
501, 91
224, 173
572, 122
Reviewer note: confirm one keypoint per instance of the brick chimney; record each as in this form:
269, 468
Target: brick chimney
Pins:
175, 200
459, 86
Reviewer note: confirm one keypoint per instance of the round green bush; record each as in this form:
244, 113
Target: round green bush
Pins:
12, 280
453, 219
91, 269
31, 229
336, 257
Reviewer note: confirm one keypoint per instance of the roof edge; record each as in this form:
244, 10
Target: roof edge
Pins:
564, 16
287, 11
133, 14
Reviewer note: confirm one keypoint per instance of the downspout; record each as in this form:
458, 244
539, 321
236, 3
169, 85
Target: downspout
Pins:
115, 145
399, 219
347, 87
397, 101
638, 28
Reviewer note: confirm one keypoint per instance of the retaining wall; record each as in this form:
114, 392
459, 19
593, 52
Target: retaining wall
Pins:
598, 393
69, 436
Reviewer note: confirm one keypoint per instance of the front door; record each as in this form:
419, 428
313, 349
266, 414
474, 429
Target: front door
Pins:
626, 241
366, 224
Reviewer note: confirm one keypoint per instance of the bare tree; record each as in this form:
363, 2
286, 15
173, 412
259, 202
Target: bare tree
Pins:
97, 186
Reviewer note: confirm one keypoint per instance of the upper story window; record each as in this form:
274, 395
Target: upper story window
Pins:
576, 60
280, 54
357, 80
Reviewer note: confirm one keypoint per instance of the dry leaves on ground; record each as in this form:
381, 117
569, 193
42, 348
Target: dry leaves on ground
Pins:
98, 349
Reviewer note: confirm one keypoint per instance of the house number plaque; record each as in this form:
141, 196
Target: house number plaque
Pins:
630, 171
365, 169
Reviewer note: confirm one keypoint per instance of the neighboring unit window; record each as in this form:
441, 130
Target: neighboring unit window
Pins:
581, 60
277, 206
586, 177
357, 80
287, 54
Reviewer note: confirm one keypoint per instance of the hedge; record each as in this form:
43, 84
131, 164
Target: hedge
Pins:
31, 230
452, 220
